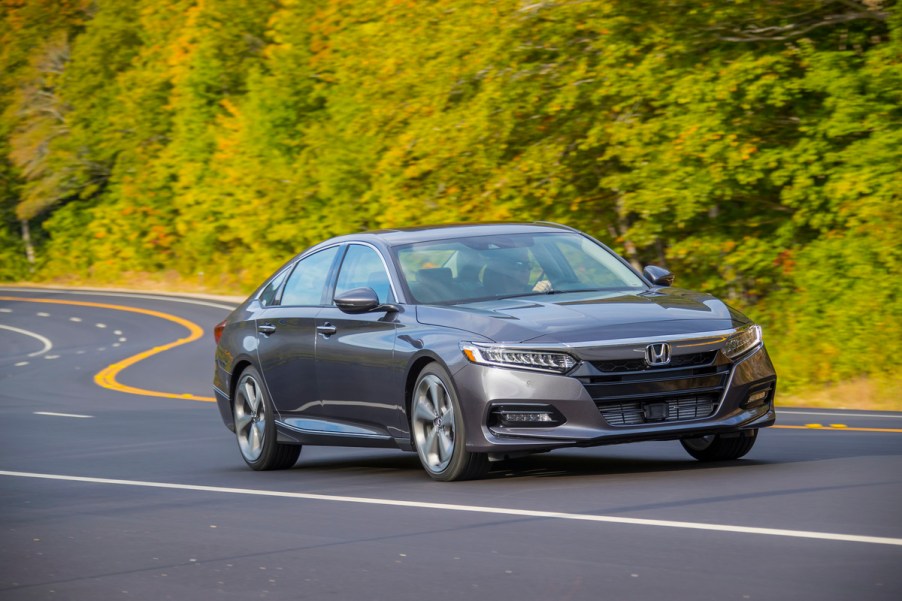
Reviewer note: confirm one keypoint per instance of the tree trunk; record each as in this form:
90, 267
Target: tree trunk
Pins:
29, 248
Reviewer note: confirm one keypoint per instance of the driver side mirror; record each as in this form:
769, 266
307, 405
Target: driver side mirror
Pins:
658, 275
360, 300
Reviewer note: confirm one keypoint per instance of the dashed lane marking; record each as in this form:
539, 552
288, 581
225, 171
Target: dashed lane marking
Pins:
53, 414
553, 515
782, 411
106, 378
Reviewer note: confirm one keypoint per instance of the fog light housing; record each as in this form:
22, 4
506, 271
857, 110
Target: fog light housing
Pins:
759, 396
525, 416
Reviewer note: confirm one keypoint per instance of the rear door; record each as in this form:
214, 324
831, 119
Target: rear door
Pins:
286, 335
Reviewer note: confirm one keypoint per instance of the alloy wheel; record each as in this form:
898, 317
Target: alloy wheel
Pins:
433, 423
250, 418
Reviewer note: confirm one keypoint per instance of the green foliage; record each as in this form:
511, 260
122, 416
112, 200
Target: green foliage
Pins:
753, 148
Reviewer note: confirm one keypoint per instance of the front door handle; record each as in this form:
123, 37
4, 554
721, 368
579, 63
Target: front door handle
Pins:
266, 328
327, 329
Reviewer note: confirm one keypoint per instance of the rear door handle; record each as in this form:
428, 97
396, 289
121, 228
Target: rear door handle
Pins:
266, 328
327, 329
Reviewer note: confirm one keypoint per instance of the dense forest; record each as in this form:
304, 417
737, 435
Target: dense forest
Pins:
753, 147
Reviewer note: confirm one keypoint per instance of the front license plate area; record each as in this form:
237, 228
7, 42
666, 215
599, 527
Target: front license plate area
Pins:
655, 412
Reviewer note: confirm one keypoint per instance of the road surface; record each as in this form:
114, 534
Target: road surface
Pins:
119, 481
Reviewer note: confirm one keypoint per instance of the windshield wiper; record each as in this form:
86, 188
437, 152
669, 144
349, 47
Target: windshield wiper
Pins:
553, 291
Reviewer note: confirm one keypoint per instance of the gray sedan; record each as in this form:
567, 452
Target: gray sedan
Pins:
474, 343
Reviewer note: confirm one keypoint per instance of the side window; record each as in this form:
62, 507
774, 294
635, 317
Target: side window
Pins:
363, 267
306, 283
269, 293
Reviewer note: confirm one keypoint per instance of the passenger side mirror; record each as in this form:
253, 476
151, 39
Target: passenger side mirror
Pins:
658, 275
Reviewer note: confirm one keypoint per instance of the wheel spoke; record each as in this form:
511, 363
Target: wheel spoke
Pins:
435, 396
423, 412
260, 428
242, 419
445, 445
432, 444
255, 437
448, 416
257, 400
250, 392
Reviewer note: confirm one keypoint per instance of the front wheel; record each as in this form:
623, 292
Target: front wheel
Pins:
255, 426
715, 447
438, 429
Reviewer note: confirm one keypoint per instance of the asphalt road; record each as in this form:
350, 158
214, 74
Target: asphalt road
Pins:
132, 488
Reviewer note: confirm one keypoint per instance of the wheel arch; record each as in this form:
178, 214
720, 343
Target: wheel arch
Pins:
237, 370
413, 372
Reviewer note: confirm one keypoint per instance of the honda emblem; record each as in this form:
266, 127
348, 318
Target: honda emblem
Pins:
657, 354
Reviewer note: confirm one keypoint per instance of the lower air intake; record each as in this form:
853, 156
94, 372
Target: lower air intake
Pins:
673, 410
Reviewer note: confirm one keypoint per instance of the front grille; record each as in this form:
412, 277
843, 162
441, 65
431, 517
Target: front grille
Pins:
674, 410
621, 365
659, 395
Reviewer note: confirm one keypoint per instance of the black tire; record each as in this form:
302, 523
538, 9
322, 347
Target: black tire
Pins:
715, 447
255, 426
440, 442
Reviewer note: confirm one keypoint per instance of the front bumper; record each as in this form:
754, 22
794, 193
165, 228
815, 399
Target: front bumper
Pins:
581, 420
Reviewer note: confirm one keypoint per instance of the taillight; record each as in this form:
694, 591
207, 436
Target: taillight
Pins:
217, 330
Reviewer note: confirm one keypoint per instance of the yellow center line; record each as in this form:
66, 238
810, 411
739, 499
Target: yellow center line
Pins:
106, 378
843, 429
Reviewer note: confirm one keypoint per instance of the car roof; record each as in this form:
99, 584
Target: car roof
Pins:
411, 235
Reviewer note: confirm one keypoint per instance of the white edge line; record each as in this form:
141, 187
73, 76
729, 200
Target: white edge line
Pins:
876, 540
173, 299
52, 414
45, 341
789, 412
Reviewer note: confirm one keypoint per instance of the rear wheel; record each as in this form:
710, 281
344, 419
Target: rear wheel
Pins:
255, 426
438, 429
716, 447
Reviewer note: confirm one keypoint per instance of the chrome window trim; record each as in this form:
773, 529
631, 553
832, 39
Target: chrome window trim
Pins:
278, 295
391, 282
291, 267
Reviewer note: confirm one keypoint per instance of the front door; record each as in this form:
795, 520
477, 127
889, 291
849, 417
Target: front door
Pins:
357, 379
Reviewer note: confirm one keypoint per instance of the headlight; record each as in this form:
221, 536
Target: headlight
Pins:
742, 342
487, 354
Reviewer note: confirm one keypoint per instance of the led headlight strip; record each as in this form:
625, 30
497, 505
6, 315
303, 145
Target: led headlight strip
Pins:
742, 342
488, 354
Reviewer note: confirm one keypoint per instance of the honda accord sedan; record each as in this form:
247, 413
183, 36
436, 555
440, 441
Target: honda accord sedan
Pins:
474, 343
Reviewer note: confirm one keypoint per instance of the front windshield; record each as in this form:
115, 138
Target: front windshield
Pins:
465, 270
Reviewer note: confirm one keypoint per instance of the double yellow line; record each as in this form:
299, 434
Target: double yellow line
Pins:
106, 377
837, 428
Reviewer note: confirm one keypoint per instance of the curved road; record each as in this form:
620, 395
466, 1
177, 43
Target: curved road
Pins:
118, 480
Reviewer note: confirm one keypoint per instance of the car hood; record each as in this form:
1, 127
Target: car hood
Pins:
584, 317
